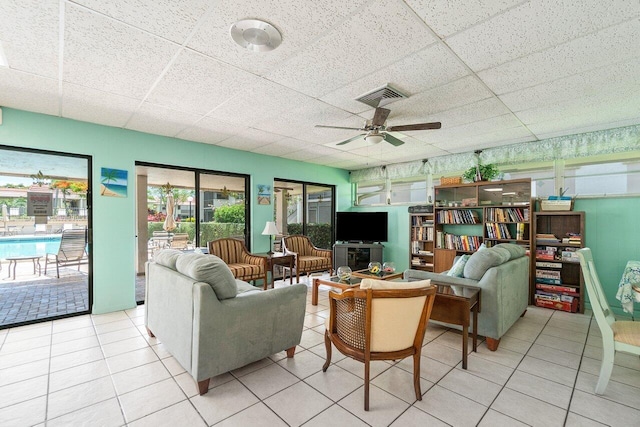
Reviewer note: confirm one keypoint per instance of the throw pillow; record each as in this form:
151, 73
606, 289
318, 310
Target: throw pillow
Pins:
209, 269
516, 251
482, 247
458, 268
167, 257
480, 262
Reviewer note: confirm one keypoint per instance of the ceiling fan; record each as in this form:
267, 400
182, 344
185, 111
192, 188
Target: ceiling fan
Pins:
376, 131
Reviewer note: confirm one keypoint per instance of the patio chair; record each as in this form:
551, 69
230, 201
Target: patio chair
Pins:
381, 320
72, 251
180, 241
617, 335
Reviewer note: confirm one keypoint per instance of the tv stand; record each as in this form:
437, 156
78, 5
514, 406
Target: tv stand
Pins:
356, 255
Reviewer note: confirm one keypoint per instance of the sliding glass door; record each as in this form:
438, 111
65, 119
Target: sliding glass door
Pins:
305, 208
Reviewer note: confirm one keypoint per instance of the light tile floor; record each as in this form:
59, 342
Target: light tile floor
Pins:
104, 370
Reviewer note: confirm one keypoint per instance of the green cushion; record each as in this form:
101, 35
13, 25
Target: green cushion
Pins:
480, 262
516, 251
209, 269
504, 254
167, 257
458, 267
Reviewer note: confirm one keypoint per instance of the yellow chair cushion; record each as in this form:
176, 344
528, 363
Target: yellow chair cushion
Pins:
626, 332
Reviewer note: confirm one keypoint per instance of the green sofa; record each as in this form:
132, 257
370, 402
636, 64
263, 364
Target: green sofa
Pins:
213, 323
502, 274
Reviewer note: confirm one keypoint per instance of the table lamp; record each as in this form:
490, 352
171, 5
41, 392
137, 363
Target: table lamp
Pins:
271, 230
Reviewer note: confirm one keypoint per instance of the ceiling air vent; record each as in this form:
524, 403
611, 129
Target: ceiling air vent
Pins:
382, 96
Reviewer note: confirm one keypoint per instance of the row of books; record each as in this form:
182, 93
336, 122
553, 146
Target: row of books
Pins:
553, 253
424, 232
460, 243
543, 238
507, 214
418, 249
418, 221
557, 304
497, 230
573, 239
458, 216
420, 262
558, 289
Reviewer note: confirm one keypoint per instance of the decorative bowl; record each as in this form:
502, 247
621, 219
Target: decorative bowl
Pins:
389, 267
375, 267
343, 273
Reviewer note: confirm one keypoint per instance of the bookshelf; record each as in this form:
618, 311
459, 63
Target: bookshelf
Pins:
557, 281
466, 215
421, 235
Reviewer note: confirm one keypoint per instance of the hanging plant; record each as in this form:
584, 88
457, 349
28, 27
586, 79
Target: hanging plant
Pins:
167, 188
486, 172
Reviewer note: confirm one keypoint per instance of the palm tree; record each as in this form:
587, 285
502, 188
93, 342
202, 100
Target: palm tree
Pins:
108, 175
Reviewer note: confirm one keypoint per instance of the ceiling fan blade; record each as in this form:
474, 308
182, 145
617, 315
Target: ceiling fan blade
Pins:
380, 116
337, 127
351, 139
417, 126
393, 140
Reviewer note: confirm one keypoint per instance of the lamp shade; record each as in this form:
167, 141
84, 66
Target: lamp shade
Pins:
270, 229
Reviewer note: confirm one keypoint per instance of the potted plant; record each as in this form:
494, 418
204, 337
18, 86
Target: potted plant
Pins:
487, 173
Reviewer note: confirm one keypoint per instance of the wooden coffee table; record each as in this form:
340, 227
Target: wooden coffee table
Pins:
453, 304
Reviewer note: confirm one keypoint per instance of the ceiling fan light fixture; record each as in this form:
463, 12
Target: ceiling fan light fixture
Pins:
255, 35
375, 138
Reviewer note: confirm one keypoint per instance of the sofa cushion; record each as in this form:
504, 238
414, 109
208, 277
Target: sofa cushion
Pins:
480, 262
211, 270
378, 284
504, 254
516, 251
245, 287
167, 257
457, 270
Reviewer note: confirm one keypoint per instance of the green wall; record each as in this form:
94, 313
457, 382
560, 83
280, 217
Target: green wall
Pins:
114, 218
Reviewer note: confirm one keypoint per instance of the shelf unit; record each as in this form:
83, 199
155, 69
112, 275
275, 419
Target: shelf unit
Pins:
490, 212
557, 278
421, 236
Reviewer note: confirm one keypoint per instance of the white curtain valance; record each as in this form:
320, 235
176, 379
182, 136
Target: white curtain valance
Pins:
607, 141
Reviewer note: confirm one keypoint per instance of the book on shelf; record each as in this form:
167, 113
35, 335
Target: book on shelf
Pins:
550, 296
458, 216
551, 274
542, 238
571, 307
567, 290
548, 280
548, 264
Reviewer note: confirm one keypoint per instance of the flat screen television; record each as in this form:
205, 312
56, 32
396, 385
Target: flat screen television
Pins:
361, 226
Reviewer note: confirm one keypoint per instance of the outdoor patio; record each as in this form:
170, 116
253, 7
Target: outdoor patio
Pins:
31, 296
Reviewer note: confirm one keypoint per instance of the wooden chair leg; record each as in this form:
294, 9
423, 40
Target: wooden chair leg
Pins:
366, 385
291, 351
416, 376
327, 345
492, 343
150, 333
203, 386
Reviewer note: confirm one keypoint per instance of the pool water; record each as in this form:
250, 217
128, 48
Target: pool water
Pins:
28, 246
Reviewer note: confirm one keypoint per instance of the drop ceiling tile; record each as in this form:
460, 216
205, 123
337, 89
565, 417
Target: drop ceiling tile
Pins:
171, 19
619, 76
110, 56
28, 92
379, 35
589, 127
210, 131
283, 146
160, 120
197, 84
463, 91
94, 106
448, 17
288, 124
250, 139
609, 46
28, 31
427, 69
485, 139
299, 26
480, 110
353, 164
535, 26
300, 155
259, 103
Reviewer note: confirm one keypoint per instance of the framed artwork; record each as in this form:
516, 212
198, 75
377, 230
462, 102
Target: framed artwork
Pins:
113, 182
264, 194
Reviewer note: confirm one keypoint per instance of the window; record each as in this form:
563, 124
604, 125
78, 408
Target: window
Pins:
371, 193
602, 179
409, 191
542, 180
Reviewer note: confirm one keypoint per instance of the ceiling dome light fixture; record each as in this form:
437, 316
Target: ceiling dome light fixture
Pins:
255, 35
374, 138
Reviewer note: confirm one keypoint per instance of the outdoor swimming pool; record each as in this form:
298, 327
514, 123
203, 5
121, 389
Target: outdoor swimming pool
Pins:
28, 246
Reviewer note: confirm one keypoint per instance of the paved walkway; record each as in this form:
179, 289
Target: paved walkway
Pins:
31, 297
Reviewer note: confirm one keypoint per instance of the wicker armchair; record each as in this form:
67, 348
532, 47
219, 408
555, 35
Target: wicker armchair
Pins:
242, 264
308, 258
381, 320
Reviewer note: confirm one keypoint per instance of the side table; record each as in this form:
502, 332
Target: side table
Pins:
14, 261
278, 258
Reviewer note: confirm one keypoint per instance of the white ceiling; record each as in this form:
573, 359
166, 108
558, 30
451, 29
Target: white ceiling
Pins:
494, 72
